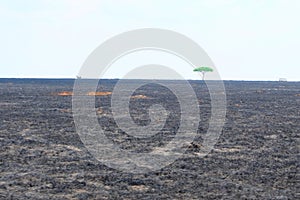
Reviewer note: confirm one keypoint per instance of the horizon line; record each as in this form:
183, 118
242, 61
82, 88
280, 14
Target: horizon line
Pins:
68, 78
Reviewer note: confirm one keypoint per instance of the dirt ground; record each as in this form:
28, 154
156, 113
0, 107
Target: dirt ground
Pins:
256, 156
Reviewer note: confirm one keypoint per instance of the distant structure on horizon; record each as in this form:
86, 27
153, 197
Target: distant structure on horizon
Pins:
282, 80
78, 77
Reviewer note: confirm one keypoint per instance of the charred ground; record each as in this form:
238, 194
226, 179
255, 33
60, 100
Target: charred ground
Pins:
256, 156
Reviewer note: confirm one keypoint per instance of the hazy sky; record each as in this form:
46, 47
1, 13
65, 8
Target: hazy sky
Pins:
246, 39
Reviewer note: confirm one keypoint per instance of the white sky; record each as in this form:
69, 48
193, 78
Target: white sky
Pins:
246, 39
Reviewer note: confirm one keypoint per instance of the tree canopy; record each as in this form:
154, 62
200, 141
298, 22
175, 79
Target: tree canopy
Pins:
203, 69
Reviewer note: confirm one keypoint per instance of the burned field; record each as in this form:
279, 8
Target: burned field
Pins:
256, 156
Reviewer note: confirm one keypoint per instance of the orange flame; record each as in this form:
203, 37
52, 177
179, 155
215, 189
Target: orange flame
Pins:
140, 96
65, 93
98, 93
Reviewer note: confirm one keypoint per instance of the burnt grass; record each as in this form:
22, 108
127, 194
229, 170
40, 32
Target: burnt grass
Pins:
256, 156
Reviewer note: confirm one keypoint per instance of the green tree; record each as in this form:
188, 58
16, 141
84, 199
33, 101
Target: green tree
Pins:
203, 70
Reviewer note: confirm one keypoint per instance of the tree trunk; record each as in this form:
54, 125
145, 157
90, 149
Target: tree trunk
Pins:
203, 75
